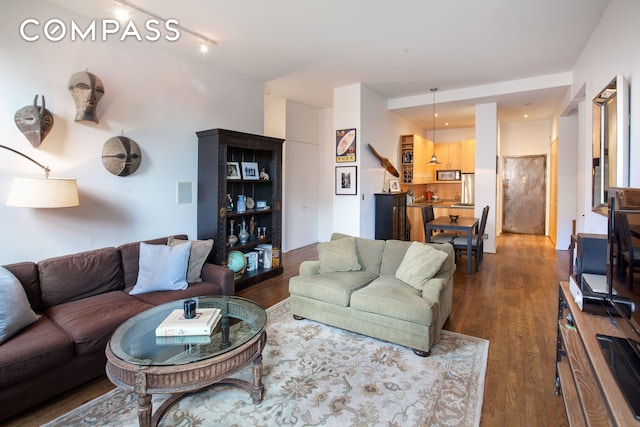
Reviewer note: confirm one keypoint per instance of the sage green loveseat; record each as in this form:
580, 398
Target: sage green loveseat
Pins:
367, 296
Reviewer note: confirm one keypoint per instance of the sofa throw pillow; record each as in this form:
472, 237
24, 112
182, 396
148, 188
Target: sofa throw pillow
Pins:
420, 263
15, 310
162, 268
197, 256
338, 255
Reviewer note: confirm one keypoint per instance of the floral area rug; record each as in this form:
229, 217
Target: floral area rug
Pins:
317, 375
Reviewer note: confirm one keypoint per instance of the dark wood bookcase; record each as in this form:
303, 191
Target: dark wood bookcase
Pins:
216, 147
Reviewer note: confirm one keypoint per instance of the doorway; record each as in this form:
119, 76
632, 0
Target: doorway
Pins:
300, 195
524, 194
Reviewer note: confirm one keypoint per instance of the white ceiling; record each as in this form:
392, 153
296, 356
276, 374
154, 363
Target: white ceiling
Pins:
302, 49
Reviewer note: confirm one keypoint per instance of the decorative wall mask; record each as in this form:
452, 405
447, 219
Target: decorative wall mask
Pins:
121, 156
34, 122
86, 89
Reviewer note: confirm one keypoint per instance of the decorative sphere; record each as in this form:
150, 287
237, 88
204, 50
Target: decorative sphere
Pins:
236, 261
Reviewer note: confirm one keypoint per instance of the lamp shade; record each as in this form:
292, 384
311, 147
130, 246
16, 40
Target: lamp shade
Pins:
43, 193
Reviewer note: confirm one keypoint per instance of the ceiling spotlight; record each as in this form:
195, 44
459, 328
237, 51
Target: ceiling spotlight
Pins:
205, 40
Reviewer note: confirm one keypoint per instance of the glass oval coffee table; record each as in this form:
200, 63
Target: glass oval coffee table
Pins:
139, 361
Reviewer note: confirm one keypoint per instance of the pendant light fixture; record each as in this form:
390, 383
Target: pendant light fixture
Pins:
434, 159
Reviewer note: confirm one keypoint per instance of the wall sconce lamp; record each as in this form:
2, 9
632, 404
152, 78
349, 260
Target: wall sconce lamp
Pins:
42, 192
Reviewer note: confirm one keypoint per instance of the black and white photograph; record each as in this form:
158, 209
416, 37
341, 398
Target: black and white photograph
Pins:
250, 171
233, 170
346, 180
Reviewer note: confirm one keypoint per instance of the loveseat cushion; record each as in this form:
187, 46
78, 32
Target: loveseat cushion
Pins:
369, 252
39, 347
338, 255
90, 322
334, 288
393, 255
391, 297
77, 276
420, 263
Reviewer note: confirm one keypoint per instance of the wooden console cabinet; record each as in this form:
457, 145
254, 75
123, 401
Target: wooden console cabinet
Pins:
391, 216
590, 392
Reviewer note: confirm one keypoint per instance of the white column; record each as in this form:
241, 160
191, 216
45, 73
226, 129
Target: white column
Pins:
486, 168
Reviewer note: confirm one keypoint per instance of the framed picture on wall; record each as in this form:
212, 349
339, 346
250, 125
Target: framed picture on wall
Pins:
346, 180
345, 145
233, 170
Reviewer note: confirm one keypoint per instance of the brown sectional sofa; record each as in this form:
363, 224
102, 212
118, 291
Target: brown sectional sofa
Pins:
82, 298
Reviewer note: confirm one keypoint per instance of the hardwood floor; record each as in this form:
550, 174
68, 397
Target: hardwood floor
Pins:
511, 301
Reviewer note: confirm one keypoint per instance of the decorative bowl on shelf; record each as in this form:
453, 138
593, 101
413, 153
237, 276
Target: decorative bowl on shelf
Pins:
236, 261
454, 218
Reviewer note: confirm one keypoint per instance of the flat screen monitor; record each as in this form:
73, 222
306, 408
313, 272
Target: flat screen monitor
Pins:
623, 352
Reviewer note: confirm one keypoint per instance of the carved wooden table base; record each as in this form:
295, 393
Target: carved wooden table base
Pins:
181, 380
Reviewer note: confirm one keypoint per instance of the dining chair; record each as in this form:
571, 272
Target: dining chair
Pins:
629, 256
477, 240
439, 237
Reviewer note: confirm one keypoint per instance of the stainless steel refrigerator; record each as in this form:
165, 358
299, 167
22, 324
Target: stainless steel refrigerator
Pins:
468, 189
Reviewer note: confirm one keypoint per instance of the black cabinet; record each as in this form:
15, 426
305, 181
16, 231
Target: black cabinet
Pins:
391, 216
221, 152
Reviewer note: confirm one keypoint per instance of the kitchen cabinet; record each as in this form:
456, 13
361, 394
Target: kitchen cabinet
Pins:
215, 217
468, 156
449, 155
414, 214
415, 153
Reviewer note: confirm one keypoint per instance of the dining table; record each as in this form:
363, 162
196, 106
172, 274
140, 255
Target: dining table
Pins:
461, 225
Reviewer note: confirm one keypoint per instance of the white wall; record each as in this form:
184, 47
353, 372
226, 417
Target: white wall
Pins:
347, 104
382, 129
327, 149
567, 194
611, 50
298, 124
525, 138
452, 135
153, 95
486, 180
360, 107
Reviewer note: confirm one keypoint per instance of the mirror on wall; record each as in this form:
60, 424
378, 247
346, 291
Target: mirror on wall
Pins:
610, 164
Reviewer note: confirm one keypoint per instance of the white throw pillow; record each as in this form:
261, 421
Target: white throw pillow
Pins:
199, 252
162, 268
15, 310
420, 263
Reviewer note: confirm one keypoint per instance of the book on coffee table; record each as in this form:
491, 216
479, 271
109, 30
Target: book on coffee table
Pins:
183, 340
175, 324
